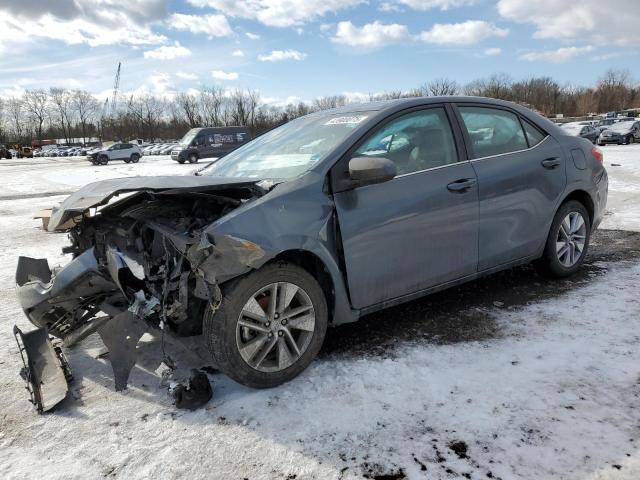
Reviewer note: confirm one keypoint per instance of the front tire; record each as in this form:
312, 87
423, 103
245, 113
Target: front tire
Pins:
193, 158
567, 243
269, 327
103, 160
135, 158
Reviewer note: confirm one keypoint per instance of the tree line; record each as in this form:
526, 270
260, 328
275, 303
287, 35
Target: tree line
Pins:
76, 114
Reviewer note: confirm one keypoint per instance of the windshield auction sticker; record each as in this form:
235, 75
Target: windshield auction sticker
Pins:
350, 120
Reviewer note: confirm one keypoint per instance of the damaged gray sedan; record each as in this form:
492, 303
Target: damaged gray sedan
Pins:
315, 223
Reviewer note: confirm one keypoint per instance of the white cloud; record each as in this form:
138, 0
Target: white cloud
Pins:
187, 76
282, 102
614, 22
238, 53
556, 56
356, 97
168, 52
280, 55
371, 35
377, 34
465, 33
277, 13
492, 52
160, 85
220, 75
91, 22
431, 4
252, 36
211, 25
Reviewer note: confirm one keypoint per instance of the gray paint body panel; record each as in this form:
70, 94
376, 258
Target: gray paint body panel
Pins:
408, 234
388, 243
517, 198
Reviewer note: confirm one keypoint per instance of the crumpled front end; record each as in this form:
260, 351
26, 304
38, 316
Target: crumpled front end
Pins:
145, 262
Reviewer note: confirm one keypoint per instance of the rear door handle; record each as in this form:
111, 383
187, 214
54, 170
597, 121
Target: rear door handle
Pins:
551, 163
462, 185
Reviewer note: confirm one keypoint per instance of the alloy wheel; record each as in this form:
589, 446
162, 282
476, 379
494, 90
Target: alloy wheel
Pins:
275, 327
571, 239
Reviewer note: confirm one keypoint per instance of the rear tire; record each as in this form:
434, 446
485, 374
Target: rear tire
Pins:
556, 262
229, 341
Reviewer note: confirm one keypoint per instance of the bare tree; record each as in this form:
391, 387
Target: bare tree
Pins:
212, 103
440, 87
146, 112
61, 105
188, 105
243, 106
2, 118
325, 103
614, 90
35, 104
85, 106
16, 116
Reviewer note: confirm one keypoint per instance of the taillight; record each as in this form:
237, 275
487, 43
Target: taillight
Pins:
597, 154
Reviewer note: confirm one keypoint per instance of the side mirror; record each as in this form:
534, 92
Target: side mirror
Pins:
370, 170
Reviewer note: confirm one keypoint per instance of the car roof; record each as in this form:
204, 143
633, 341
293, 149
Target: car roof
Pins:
388, 107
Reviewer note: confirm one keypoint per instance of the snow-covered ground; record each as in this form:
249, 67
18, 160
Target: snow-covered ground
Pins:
551, 388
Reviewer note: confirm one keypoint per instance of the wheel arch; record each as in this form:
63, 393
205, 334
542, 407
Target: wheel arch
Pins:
311, 263
584, 198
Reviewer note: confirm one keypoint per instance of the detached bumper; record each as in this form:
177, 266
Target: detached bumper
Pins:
56, 302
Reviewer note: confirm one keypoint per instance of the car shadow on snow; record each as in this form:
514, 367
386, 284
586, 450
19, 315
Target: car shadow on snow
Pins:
461, 314
457, 315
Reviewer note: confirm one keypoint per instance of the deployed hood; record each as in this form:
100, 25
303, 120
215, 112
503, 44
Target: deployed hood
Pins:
99, 193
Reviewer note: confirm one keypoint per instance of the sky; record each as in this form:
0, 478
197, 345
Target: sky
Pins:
292, 50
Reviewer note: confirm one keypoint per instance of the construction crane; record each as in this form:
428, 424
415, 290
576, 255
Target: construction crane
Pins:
116, 87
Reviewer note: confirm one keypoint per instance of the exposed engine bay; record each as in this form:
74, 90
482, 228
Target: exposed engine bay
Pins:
143, 262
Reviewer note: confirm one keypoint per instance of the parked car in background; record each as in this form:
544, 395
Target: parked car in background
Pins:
620, 133
24, 152
4, 152
319, 222
581, 129
605, 123
209, 142
129, 152
166, 149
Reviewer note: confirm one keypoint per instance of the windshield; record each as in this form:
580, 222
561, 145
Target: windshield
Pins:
289, 150
620, 126
189, 136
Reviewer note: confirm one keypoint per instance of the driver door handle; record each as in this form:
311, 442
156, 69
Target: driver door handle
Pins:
551, 163
462, 185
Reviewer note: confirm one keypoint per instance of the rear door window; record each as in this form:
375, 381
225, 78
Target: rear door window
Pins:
492, 131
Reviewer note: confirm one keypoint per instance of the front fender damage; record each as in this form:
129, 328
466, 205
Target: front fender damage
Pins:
145, 264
